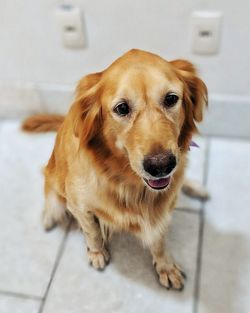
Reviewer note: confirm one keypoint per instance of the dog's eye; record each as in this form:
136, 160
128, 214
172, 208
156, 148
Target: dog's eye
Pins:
170, 100
122, 108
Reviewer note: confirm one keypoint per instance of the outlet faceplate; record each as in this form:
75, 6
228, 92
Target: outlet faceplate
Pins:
70, 21
205, 32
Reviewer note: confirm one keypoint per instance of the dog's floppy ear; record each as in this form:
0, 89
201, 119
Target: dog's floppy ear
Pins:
195, 91
194, 99
87, 108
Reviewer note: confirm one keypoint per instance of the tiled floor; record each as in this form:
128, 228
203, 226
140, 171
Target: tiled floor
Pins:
48, 272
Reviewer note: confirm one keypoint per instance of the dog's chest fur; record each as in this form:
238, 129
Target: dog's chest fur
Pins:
122, 206
137, 210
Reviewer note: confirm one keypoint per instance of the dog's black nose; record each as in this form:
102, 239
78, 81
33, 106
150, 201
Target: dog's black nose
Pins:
160, 165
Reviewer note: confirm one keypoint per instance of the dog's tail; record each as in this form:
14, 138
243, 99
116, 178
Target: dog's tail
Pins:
42, 123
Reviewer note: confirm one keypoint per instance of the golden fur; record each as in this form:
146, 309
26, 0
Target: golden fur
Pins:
95, 170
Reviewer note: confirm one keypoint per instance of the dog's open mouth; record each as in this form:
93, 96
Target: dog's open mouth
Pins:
158, 184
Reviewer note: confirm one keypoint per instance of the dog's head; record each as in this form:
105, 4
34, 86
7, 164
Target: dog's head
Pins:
139, 115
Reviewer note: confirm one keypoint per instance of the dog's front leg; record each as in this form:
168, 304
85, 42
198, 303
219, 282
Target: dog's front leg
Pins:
96, 250
170, 274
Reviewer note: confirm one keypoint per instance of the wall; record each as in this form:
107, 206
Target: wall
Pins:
31, 51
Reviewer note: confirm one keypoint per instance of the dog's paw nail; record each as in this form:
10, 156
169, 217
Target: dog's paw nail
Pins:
183, 275
181, 288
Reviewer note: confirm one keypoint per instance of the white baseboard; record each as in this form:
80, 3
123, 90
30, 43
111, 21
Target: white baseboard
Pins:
19, 99
226, 116
56, 98
23, 99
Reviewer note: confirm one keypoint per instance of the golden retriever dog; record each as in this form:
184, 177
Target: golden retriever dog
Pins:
120, 154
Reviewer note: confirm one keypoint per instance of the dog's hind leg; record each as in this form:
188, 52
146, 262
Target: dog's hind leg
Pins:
195, 190
54, 212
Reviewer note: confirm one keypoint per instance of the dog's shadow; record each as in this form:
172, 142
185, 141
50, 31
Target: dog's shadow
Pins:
134, 262
224, 271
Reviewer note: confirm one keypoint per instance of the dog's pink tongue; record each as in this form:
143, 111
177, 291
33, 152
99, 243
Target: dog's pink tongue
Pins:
159, 183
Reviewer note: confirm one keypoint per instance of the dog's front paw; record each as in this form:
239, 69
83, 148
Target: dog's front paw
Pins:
170, 276
98, 259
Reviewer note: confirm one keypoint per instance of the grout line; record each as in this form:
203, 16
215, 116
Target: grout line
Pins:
201, 234
58, 257
198, 262
227, 137
20, 295
187, 210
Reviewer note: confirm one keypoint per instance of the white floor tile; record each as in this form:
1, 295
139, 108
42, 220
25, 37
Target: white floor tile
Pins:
27, 252
129, 283
226, 250
195, 172
9, 304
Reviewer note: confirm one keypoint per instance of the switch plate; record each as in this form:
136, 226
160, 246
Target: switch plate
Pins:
70, 21
205, 31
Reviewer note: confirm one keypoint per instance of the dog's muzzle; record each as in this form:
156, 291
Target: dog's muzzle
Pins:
159, 167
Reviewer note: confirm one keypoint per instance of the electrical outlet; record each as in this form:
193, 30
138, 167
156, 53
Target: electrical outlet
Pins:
205, 32
70, 21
